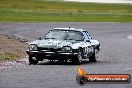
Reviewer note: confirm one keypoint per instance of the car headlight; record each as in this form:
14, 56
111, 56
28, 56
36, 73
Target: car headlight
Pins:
33, 47
66, 49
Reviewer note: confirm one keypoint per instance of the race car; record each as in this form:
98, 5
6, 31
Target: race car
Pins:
64, 44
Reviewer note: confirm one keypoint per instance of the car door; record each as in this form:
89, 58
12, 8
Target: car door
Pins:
87, 39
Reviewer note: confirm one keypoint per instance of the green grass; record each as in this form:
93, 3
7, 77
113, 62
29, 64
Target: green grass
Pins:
59, 11
8, 56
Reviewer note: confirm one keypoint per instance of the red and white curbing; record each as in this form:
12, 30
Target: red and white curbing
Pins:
129, 36
103, 1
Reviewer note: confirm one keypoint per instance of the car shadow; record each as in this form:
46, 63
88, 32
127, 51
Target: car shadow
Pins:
64, 63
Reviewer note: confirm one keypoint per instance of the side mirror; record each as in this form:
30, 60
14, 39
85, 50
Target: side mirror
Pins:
39, 38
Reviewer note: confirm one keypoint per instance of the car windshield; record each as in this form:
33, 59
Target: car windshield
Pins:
64, 35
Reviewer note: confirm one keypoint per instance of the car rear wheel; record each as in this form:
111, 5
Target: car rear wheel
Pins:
32, 61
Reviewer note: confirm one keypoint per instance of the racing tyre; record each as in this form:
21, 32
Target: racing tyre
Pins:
32, 61
77, 59
92, 58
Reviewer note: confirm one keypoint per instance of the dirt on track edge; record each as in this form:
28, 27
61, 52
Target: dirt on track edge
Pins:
12, 48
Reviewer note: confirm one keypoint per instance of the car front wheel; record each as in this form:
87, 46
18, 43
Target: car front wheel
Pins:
77, 59
92, 58
32, 61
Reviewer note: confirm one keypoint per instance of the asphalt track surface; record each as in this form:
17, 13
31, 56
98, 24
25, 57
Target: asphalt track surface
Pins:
115, 57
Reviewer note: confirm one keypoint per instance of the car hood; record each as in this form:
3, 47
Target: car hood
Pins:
50, 43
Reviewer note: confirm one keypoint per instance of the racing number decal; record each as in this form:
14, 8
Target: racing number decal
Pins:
86, 49
89, 49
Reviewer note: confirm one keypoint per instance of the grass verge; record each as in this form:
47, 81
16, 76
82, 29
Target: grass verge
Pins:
8, 56
59, 11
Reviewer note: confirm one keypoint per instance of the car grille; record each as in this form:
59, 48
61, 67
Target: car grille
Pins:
48, 49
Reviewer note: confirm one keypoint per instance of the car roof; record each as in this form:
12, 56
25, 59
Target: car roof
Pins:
74, 29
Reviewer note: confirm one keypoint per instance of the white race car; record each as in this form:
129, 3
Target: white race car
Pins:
64, 44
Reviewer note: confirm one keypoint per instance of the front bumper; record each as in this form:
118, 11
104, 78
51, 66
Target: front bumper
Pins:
40, 55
